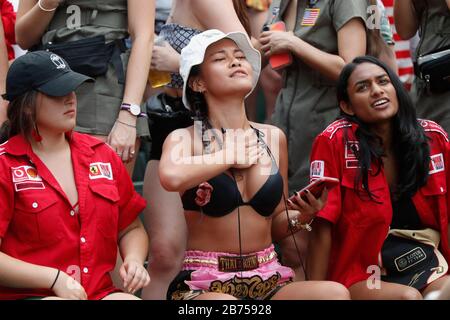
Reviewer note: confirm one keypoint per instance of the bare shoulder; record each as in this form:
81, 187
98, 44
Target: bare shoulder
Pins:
182, 133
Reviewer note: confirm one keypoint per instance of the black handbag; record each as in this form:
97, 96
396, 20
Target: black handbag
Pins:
162, 106
434, 68
90, 56
411, 257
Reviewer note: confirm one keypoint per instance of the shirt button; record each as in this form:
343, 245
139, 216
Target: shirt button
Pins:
85, 270
35, 205
72, 213
83, 240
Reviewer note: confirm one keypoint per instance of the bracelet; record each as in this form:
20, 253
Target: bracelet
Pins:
56, 279
296, 225
43, 9
127, 124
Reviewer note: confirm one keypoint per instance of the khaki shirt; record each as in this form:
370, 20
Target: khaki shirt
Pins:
434, 28
100, 17
307, 102
99, 102
434, 31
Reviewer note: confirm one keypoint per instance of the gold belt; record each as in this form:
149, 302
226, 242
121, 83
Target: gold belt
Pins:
234, 263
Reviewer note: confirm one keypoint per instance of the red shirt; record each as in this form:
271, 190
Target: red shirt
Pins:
360, 226
38, 224
8, 20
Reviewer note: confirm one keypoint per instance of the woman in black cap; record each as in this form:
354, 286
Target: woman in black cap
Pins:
67, 200
90, 36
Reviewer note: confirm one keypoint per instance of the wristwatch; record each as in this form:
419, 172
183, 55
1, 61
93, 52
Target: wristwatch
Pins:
134, 109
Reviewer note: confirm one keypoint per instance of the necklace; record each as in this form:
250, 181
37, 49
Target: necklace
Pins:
237, 174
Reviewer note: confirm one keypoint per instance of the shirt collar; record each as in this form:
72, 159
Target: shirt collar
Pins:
18, 145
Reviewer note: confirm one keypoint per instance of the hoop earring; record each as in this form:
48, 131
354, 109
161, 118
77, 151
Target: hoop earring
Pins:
35, 134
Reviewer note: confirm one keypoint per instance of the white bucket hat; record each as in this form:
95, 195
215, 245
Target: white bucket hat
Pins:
194, 53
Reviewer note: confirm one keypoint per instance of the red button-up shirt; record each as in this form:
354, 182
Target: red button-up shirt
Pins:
38, 224
360, 226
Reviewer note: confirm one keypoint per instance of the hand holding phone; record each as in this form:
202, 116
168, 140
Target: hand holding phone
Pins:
279, 60
315, 188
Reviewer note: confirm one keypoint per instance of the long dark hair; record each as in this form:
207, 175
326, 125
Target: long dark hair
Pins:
241, 12
21, 117
410, 143
197, 101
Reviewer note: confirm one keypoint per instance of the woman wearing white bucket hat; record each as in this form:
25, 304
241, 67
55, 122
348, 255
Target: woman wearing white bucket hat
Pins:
164, 220
232, 193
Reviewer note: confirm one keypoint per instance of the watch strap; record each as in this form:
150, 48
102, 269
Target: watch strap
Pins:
128, 106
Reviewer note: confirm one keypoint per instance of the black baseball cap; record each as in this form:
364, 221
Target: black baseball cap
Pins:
43, 71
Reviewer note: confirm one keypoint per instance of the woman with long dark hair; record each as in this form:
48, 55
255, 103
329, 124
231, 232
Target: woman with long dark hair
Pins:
383, 233
231, 174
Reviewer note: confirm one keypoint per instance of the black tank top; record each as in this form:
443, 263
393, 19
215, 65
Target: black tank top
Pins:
226, 197
404, 215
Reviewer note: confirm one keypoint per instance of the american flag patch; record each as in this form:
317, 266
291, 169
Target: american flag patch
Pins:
437, 163
310, 17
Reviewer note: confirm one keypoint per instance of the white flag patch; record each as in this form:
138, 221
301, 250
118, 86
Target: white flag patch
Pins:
317, 169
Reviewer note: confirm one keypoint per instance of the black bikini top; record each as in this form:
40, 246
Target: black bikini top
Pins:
226, 197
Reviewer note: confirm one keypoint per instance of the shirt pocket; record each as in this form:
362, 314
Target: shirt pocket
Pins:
37, 220
357, 208
430, 195
105, 208
436, 185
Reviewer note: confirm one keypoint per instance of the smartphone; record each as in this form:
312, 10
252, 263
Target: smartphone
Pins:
316, 188
280, 60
